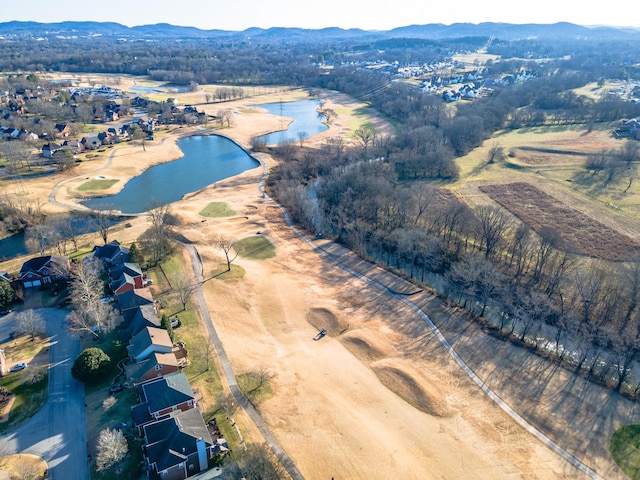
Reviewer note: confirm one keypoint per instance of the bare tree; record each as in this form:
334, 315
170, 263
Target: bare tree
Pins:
631, 173
156, 241
184, 288
365, 135
496, 153
493, 223
226, 244
30, 323
259, 463
302, 135
85, 291
112, 448
103, 221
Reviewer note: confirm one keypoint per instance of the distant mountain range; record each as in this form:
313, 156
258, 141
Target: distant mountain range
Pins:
505, 31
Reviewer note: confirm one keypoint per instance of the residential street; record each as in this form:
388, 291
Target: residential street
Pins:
57, 433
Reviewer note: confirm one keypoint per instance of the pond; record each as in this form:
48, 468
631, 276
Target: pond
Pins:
16, 245
207, 159
307, 122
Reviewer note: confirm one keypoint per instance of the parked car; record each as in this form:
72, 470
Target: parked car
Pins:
175, 322
118, 387
5, 312
17, 367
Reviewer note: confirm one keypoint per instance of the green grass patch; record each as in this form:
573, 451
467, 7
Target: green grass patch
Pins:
257, 247
29, 396
217, 210
221, 273
625, 450
97, 184
255, 386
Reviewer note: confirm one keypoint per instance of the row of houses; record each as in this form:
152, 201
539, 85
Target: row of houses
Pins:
177, 443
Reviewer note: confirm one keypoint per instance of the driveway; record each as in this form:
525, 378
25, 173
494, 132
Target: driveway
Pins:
57, 433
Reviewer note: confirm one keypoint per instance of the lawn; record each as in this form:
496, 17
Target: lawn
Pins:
28, 385
202, 370
217, 210
256, 247
625, 450
98, 184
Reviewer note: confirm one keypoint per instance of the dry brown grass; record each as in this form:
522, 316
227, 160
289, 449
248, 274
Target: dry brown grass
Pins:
324, 318
366, 346
412, 386
581, 233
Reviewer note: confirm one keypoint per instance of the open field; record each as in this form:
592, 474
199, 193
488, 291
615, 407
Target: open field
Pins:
580, 233
378, 397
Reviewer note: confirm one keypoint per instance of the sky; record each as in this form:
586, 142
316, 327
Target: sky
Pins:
365, 14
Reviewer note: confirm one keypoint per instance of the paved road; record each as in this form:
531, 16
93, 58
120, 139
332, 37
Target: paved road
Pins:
57, 432
7, 325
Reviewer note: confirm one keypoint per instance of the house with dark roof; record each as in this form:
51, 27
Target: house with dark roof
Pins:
111, 254
44, 270
125, 276
149, 340
161, 397
134, 320
178, 446
153, 366
134, 299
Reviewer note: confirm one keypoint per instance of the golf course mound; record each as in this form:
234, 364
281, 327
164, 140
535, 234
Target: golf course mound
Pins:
324, 318
412, 386
365, 346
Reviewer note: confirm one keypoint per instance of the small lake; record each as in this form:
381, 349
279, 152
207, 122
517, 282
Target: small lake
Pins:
16, 244
207, 159
307, 122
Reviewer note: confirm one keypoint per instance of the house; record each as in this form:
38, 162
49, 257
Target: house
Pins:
44, 270
137, 319
161, 397
125, 276
91, 142
62, 130
111, 253
177, 447
134, 299
153, 366
149, 340
49, 149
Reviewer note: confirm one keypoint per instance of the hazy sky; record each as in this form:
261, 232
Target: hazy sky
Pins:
365, 14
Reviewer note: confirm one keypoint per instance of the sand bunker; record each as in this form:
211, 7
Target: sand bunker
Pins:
366, 346
325, 318
412, 386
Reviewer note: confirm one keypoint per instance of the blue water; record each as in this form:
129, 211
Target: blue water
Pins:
306, 121
206, 160
16, 244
